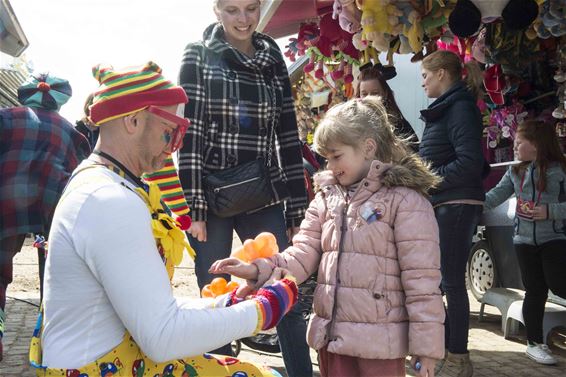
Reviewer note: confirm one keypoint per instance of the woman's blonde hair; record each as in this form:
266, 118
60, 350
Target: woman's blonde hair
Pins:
451, 63
216, 2
352, 122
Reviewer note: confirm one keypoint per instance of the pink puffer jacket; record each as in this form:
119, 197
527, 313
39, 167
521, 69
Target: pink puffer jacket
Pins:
378, 293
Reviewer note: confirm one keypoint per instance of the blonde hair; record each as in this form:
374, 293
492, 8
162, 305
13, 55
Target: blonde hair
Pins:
216, 2
451, 63
352, 122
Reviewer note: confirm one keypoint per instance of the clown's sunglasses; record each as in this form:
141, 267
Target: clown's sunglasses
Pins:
175, 138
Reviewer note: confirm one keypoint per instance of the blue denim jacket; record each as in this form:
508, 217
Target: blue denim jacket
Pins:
540, 231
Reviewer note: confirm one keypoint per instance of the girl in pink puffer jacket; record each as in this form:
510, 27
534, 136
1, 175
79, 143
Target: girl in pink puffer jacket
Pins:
372, 235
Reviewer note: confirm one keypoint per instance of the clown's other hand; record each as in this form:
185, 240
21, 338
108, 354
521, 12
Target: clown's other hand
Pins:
277, 274
274, 301
235, 267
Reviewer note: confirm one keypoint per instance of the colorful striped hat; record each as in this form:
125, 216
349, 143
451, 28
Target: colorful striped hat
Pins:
45, 92
125, 92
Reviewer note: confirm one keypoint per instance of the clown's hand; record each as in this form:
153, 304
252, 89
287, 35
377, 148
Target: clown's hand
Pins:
274, 301
277, 274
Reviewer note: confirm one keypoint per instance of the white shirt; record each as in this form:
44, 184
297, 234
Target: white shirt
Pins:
104, 275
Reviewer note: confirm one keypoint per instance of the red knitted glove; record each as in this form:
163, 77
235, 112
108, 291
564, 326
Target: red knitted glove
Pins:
274, 301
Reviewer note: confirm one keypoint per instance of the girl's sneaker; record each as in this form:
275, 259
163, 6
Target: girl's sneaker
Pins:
540, 353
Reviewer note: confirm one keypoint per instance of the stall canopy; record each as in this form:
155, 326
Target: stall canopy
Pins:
281, 18
12, 38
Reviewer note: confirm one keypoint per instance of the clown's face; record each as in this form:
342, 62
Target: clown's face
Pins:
156, 139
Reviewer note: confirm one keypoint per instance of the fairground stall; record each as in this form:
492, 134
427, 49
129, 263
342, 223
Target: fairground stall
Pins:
520, 45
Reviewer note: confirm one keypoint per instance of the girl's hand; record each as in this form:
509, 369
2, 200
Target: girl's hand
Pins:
540, 212
236, 267
426, 366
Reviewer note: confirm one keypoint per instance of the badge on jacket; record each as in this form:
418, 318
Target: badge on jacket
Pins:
371, 212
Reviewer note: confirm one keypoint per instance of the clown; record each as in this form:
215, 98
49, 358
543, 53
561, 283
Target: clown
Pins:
109, 241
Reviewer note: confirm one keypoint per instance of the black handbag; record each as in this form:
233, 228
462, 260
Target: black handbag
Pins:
243, 188
240, 189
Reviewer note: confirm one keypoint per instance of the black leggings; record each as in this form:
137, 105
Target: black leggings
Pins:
543, 267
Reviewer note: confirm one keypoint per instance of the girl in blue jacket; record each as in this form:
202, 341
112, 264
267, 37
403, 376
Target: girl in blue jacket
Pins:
539, 183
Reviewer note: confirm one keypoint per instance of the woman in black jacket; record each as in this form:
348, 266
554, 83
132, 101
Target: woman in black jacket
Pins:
451, 143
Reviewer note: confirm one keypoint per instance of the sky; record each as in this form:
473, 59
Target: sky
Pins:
69, 37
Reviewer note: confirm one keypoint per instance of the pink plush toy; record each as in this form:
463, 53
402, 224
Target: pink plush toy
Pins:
348, 15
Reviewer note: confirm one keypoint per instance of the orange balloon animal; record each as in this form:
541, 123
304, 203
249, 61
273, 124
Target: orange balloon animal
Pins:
263, 246
218, 287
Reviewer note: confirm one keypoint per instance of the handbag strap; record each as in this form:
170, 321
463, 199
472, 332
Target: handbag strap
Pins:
270, 145
271, 138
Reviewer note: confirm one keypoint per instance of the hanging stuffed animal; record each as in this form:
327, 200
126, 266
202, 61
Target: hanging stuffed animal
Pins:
551, 21
467, 16
348, 55
435, 18
348, 15
298, 46
375, 23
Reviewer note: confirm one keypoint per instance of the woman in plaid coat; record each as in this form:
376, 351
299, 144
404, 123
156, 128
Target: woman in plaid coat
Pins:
240, 98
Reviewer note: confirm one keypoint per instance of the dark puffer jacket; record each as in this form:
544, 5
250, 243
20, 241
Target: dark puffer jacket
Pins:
451, 142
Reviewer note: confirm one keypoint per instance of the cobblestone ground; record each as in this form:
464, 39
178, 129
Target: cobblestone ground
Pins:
491, 354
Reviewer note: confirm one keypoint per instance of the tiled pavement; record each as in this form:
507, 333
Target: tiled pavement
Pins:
491, 354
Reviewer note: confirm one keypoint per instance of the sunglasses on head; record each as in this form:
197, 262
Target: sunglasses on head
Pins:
175, 138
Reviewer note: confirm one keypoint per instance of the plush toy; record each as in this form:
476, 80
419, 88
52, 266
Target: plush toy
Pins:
465, 19
478, 47
551, 21
348, 15
333, 45
408, 29
490, 9
299, 45
438, 15
468, 15
375, 23
519, 14
368, 52
348, 55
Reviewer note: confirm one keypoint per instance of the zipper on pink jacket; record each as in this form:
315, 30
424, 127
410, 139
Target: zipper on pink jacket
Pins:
343, 229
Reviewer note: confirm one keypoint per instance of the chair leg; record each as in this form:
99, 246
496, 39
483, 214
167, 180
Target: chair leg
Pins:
482, 308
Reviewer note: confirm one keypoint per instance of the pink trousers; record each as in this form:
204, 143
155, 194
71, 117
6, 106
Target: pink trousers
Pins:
334, 365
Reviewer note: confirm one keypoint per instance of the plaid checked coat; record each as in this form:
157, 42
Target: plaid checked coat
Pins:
39, 149
235, 104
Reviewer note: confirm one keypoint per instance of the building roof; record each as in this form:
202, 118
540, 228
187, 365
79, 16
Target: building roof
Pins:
10, 81
281, 18
13, 41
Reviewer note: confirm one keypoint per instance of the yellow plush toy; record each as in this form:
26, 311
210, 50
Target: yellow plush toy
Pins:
375, 23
